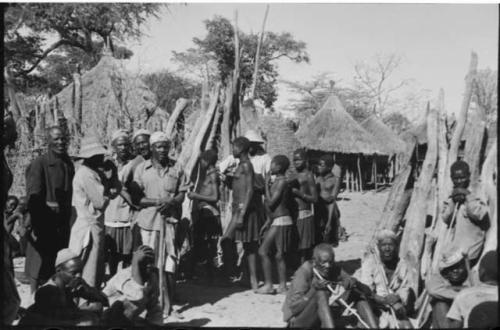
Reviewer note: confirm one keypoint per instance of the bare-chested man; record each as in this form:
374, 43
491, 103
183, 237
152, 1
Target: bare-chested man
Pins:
246, 222
279, 228
305, 195
328, 214
207, 227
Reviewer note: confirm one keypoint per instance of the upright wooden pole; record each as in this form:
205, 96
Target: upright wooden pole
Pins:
413, 235
375, 163
359, 174
257, 55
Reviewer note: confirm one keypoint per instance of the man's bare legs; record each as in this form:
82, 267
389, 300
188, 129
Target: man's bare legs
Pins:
251, 252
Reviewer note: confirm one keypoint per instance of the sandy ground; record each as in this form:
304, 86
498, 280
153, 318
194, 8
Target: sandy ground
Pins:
237, 306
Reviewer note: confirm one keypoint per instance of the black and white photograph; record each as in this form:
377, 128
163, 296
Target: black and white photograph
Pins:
249, 164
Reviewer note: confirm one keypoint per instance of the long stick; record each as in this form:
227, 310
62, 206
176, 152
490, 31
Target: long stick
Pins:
380, 269
257, 55
161, 281
452, 223
349, 308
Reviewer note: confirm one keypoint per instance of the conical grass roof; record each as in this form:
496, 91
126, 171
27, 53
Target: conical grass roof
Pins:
386, 137
332, 129
112, 98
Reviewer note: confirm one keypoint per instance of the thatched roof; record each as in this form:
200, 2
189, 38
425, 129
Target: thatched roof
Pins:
386, 137
332, 129
112, 98
279, 135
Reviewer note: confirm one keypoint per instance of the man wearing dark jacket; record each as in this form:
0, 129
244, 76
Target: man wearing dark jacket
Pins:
49, 190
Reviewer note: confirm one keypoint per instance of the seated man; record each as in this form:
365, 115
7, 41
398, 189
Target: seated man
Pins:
389, 290
306, 304
486, 291
54, 301
134, 290
444, 287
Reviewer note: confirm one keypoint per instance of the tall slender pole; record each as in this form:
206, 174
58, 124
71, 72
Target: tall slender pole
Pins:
257, 55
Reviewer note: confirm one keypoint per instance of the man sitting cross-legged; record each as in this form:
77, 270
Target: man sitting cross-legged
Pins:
487, 291
380, 273
445, 286
54, 301
306, 304
134, 290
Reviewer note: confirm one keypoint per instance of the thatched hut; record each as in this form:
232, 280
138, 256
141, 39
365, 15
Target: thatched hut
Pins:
332, 130
107, 97
385, 167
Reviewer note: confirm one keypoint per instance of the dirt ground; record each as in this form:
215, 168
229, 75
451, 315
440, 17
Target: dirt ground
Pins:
225, 305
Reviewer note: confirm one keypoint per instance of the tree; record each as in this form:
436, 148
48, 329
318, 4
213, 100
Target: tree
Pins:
213, 56
70, 25
396, 121
375, 80
168, 88
485, 92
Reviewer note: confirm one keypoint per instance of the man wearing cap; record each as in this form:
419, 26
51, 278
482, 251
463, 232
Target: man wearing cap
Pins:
445, 286
162, 187
471, 220
384, 273
120, 211
55, 300
49, 192
468, 298
92, 191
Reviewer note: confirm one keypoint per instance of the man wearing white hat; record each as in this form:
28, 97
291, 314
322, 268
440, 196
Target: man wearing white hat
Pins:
91, 195
162, 187
120, 211
54, 301
445, 286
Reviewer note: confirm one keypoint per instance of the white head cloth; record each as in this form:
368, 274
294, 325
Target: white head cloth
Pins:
158, 137
141, 131
386, 234
121, 133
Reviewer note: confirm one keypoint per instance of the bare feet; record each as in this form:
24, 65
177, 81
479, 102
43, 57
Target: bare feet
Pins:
266, 289
282, 289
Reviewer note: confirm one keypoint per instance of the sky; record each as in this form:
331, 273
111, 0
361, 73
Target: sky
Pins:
434, 40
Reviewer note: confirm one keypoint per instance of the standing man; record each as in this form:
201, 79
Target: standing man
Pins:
470, 223
305, 196
162, 186
92, 192
49, 191
120, 212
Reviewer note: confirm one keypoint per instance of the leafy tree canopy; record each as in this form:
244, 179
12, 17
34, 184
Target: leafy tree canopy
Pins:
169, 87
213, 57
39, 36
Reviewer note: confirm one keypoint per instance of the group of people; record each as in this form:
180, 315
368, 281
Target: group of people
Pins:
126, 207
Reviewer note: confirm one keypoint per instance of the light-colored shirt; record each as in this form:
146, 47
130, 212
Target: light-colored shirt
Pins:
261, 163
89, 203
371, 275
136, 298
439, 288
468, 298
119, 213
468, 235
158, 183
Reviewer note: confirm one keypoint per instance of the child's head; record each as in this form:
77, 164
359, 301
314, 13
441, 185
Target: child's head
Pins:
453, 268
208, 158
325, 164
279, 164
240, 146
11, 204
300, 159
